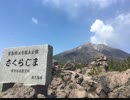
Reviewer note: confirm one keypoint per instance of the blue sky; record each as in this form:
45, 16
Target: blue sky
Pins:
64, 24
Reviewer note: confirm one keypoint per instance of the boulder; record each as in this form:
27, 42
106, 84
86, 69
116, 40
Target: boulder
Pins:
78, 70
55, 83
19, 91
78, 93
112, 80
61, 94
69, 66
41, 96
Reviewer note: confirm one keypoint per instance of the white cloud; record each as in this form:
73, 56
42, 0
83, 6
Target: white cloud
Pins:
73, 7
76, 3
121, 25
115, 32
34, 20
103, 32
103, 3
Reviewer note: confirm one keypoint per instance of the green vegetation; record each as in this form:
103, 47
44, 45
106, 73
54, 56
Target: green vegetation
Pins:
119, 65
80, 66
113, 66
95, 71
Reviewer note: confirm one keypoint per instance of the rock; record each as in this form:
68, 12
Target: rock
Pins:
93, 63
77, 93
66, 77
90, 85
98, 89
69, 66
19, 92
103, 69
121, 92
124, 92
78, 70
83, 70
79, 80
56, 81
16, 85
103, 94
81, 93
61, 87
88, 71
51, 92
61, 94
72, 86
112, 80
90, 95
55, 84
41, 96
104, 58
100, 63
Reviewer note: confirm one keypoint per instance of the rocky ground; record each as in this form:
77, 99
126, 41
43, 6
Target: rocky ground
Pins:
69, 82
21, 91
106, 85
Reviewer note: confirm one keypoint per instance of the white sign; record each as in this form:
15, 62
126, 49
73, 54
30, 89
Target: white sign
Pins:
29, 65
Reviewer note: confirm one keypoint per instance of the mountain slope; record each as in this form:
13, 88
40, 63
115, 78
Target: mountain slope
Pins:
87, 52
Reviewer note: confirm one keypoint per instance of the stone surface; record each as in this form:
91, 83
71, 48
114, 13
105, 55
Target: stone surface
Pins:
19, 92
61, 94
99, 65
29, 65
112, 80
69, 66
78, 93
105, 85
102, 86
72, 84
78, 70
41, 96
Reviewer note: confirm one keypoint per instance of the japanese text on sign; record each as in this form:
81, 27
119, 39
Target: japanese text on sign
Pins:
22, 62
25, 52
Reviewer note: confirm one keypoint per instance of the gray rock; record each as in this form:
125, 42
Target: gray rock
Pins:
105, 58
83, 70
103, 94
61, 94
79, 80
41, 96
69, 66
90, 95
19, 92
78, 70
56, 81
78, 93
121, 92
66, 77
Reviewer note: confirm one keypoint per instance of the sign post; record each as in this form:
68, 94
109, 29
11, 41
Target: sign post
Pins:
28, 65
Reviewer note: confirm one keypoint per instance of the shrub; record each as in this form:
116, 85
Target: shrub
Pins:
119, 65
95, 71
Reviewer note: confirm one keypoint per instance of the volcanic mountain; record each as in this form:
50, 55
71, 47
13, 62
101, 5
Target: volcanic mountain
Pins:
88, 52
